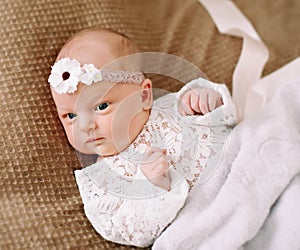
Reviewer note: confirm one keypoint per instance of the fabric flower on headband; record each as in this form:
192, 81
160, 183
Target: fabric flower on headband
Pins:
67, 73
90, 74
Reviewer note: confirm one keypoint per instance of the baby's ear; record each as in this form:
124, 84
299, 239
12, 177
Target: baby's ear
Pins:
147, 97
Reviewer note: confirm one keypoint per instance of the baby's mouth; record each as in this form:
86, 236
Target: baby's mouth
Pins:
90, 140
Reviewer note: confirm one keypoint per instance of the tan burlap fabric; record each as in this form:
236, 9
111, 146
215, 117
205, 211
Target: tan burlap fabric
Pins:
40, 206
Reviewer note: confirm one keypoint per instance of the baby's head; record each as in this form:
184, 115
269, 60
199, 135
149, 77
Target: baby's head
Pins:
101, 110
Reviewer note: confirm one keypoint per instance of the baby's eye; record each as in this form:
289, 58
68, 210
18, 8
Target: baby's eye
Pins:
102, 106
71, 116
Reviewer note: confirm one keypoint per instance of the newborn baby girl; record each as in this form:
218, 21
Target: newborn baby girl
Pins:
150, 153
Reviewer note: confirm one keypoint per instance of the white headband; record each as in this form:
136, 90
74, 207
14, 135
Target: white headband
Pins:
66, 73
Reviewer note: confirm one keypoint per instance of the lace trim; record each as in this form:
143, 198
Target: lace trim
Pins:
119, 76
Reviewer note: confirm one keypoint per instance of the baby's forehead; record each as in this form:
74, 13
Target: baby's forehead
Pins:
64, 99
85, 93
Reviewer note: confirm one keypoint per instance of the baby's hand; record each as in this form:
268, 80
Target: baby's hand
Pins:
199, 101
156, 168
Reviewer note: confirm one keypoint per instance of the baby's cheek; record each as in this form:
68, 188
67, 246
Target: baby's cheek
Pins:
69, 132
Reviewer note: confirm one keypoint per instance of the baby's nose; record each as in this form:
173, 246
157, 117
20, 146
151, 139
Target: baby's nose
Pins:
87, 124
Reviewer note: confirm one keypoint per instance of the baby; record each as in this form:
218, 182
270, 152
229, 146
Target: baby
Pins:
150, 153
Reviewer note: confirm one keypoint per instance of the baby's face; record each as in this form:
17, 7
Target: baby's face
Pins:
104, 118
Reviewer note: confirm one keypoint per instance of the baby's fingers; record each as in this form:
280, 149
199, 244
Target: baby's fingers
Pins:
212, 101
163, 181
195, 99
161, 167
203, 103
153, 153
185, 105
219, 102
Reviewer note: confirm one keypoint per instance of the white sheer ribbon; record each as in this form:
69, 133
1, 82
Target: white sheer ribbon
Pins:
250, 91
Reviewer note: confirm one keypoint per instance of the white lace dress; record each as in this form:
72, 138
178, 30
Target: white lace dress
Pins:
122, 205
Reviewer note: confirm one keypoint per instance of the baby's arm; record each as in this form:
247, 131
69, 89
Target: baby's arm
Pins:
211, 102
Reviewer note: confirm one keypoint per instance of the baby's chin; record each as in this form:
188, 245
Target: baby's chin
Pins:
104, 149
107, 152
101, 151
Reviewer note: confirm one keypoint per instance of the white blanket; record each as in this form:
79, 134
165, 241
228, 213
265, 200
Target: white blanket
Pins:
253, 199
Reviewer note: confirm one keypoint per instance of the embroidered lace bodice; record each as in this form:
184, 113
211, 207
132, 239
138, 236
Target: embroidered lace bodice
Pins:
122, 205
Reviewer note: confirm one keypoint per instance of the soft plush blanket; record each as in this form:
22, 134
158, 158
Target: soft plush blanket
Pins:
253, 199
